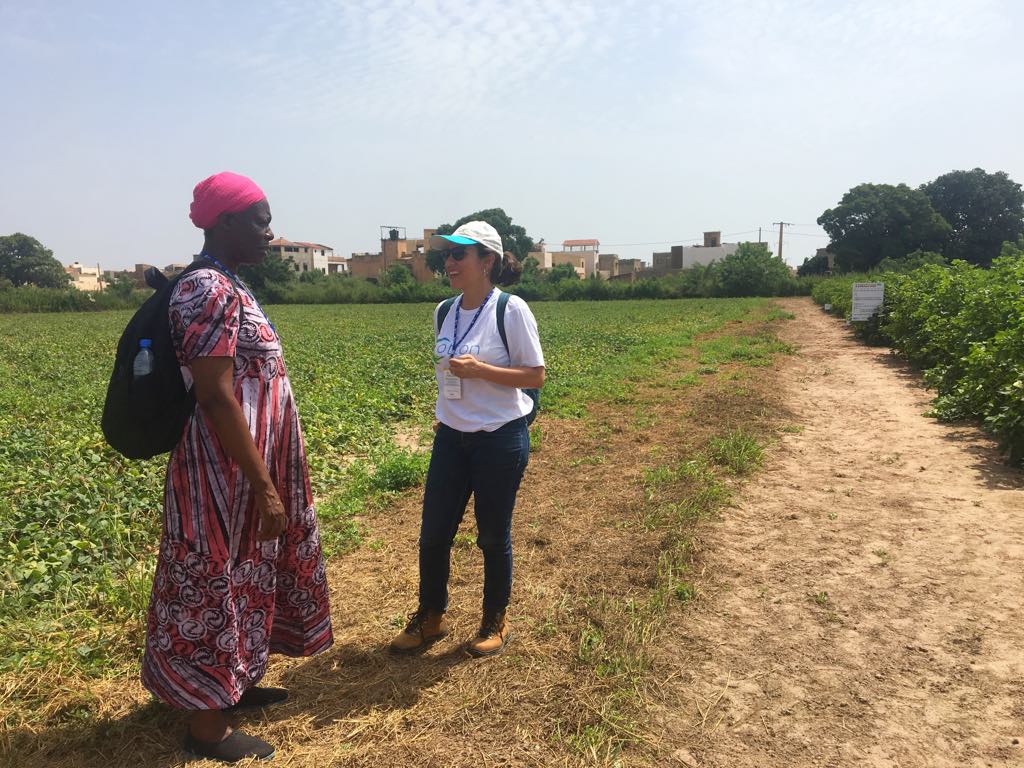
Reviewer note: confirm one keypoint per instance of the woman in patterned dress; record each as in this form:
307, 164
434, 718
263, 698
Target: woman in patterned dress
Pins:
240, 574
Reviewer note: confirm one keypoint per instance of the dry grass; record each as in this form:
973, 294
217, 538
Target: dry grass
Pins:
604, 549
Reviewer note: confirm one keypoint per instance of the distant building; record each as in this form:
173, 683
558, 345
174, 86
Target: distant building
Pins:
687, 256
661, 260
368, 266
580, 254
85, 278
395, 248
305, 257
337, 265
541, 255
629, 266
139, 274
608, 265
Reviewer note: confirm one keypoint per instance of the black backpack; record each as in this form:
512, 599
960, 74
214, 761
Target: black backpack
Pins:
145, 417
442, 312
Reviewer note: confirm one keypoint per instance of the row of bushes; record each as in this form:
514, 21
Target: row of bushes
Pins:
750, 271
962, 325
699, 282
689, 284
32, 298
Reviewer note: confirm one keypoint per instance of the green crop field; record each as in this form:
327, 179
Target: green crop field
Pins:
79, 524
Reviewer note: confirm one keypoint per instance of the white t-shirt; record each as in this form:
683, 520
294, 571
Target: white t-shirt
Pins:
485, 406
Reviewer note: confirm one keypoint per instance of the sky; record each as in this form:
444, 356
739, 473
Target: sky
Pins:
641, 124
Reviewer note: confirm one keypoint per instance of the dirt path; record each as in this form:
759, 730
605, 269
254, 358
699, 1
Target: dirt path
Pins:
862, 598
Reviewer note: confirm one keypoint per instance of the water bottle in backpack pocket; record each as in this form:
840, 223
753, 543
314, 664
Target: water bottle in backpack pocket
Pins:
143, 364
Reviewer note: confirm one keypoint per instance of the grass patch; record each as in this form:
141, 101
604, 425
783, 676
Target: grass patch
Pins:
591, 461
778, 313
685, 381
536, 437
738, 451
757, 349
614, 641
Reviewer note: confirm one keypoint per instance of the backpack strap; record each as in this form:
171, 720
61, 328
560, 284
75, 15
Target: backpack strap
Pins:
531, 392
442, 313
502, 303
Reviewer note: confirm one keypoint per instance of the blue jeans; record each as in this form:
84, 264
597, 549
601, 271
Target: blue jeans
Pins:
488, 465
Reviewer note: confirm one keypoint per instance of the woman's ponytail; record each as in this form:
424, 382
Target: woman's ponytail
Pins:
507, 270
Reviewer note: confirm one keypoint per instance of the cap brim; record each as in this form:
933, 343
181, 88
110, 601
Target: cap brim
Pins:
447, 242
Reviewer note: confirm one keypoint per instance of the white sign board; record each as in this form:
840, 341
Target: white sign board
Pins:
867, 300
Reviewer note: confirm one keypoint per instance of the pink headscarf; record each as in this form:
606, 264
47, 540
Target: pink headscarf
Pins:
222, 193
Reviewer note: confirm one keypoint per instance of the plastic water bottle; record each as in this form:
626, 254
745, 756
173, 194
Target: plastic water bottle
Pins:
143, 365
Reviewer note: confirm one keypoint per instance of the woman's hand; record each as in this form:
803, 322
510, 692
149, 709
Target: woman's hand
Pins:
273, 519
467, 367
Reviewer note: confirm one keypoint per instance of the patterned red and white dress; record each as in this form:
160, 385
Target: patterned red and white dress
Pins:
223, 601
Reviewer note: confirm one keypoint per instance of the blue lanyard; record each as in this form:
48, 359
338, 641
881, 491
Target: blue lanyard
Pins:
235, 278
457, 342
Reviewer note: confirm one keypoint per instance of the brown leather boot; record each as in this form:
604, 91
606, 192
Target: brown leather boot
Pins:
426, 626
494, 634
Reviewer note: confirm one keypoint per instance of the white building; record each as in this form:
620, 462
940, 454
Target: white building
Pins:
581, 255
687, 256
694, 255
305, 257
85, 278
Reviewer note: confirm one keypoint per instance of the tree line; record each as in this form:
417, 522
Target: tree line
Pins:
961, 215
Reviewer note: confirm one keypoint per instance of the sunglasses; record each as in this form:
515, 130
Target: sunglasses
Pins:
457, 253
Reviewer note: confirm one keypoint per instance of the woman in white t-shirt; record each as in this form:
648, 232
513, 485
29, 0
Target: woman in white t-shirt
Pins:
482, 443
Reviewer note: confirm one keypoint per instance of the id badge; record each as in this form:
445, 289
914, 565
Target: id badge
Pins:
452, 385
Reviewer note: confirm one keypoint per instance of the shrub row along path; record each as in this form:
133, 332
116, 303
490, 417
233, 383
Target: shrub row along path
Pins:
862, 598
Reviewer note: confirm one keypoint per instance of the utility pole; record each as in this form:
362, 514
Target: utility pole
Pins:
758, 235
780, 225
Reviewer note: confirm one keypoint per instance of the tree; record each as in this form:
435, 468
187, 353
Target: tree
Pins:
122, 286
751, 271
513, 236
814, 265
984, 210
531, 270
313, 276
561, 272
398, 274
24, 261
273, 270
912, 261
877, 221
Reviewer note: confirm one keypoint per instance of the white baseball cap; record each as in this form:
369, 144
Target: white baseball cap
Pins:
470, 233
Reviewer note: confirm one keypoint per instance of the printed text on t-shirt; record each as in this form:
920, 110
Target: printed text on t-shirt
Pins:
443, 348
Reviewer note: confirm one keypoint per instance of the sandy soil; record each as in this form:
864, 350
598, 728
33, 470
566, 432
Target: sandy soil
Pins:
862, 598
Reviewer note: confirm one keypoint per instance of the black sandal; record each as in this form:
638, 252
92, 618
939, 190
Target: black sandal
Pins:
237, 746
259, 697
